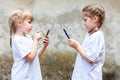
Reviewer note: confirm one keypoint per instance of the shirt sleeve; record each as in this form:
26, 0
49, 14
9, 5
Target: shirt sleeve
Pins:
23, 48
94, 48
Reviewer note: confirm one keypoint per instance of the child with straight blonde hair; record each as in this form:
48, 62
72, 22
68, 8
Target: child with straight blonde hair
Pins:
25, 53
91, 54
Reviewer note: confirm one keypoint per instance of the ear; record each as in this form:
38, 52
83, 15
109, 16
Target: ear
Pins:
19, 22
95, 18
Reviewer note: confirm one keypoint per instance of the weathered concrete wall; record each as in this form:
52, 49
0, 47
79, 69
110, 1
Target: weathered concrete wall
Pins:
56, 14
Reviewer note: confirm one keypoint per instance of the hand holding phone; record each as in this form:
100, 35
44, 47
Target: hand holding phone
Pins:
66, 33
47, 34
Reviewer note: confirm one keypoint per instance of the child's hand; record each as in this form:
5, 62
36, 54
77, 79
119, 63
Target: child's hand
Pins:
46, 41
37, 36
73, 43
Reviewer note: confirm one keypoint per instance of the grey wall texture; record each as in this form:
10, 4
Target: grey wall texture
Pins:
59, 14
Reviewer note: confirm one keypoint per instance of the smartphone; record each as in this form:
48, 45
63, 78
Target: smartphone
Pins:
47, 33
66, 33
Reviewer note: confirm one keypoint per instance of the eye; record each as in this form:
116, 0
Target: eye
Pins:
29, 22
85, 20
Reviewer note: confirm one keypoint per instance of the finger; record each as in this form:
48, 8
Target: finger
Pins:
37, 31
44, 41
46, 38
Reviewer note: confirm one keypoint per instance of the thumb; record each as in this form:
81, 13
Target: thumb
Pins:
37, 31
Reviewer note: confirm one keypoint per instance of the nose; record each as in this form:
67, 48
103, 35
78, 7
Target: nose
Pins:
31, 26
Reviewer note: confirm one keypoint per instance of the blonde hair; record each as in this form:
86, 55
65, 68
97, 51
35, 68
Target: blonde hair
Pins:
95, 10
19, 14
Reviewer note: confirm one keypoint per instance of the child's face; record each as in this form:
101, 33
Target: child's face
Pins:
27, 26
88, 22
